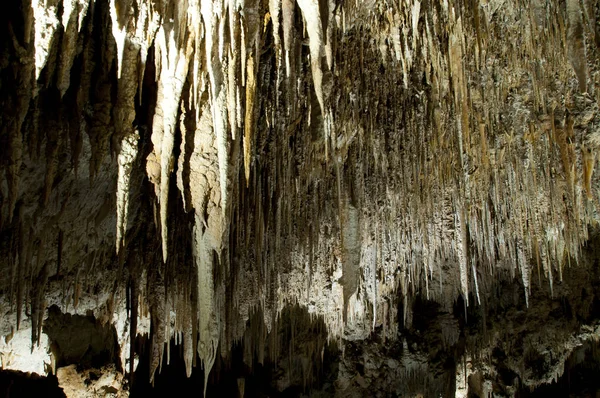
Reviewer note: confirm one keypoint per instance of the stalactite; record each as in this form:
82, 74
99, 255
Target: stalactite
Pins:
422, 199
217, 90
126, 158
589, 161
208, 324
37, 305
249, 119
232, 70
287, 12
575, 43
312, 18
13, 171
207, 238
119, 32
275, 11
188, 346
72, 21
20, 274
173, 70
46, 22
157, 310
461, 248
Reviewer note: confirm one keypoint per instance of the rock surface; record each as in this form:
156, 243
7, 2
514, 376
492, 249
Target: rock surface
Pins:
193, 175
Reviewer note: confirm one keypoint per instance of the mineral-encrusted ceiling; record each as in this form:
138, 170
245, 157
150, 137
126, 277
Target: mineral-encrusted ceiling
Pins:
177, 167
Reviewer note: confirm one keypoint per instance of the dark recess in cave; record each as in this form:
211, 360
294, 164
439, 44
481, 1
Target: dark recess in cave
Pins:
260, 380
580, 378
17, 384
81, 340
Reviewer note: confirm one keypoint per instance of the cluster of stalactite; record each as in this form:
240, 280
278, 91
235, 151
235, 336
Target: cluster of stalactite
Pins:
331, 154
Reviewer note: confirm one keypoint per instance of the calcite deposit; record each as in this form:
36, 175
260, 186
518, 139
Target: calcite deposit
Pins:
363, 197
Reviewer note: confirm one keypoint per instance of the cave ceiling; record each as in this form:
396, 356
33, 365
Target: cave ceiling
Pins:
203, 171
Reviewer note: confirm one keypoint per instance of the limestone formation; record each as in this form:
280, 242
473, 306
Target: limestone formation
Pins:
218, 173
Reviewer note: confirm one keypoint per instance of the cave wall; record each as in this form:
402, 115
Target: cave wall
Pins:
178, 167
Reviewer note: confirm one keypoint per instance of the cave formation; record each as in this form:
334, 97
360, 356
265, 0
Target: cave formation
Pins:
299, 197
